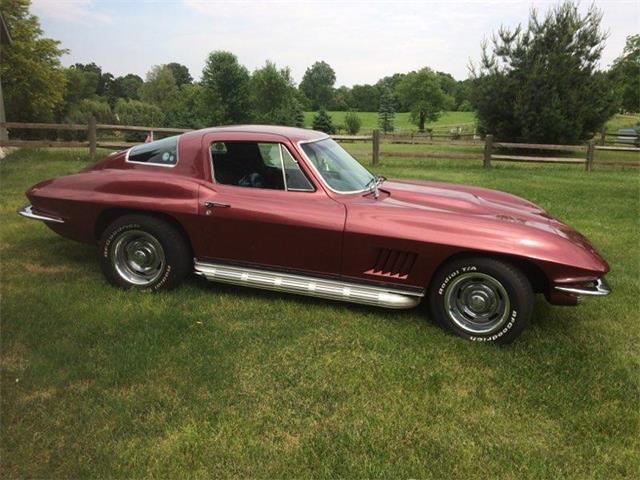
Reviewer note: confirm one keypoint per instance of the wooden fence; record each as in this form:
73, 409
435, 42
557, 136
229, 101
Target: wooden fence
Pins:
489, 154
91, 128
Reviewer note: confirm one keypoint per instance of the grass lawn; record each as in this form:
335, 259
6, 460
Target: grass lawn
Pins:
216, 381
447, 120
623, 120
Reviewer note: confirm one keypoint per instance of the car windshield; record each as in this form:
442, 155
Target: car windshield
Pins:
340, 170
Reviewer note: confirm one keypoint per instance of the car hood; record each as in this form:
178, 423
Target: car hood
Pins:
463, 200
475, 202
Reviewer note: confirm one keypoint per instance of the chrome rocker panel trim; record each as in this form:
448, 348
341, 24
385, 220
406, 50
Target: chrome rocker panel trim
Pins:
27, 212
600, 289
311, 286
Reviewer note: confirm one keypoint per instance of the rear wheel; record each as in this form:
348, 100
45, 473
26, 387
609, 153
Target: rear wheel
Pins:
144, 252
481, 299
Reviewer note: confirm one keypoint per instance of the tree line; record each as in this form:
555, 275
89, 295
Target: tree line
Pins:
540, 82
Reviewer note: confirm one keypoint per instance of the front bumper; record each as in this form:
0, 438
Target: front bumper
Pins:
598, 288
27, 212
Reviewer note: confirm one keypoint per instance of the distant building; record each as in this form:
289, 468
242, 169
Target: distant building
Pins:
5, 40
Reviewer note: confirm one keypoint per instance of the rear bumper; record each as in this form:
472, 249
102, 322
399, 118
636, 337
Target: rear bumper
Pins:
28, 212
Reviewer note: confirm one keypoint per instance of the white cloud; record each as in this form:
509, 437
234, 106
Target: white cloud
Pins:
76, 11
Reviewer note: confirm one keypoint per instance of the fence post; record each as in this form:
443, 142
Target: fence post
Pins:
591, 148
488, 148
92, 136
375, 140
603, 135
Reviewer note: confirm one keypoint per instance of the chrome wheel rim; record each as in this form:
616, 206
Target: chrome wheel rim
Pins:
138, 257
477, 303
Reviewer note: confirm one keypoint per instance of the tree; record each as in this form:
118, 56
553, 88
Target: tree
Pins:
32, 80
88, 67
626, 74
273, 96
387, 111
322, 122
180, 74
541, 84
317, 84
365, 98
127, 86
422, 93
352, 123
159, 87
449, 87
190, 109
226, 89
462, 98
391, 82
80, 84
341, 100
106, 85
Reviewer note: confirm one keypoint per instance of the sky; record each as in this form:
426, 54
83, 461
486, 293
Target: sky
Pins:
362, 40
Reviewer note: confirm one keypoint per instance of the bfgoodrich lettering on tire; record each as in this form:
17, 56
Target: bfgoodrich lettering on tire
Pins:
481, 299
139, 251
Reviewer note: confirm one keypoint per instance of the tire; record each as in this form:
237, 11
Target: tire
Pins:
481, 299
144, 252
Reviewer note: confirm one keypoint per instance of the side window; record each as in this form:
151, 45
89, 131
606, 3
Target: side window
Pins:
296, 179
161, 152
257, 165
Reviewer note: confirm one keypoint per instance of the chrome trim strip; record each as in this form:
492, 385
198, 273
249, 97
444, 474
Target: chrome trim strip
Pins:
600, 289
308, 285
284, 173
27, 212
126, 156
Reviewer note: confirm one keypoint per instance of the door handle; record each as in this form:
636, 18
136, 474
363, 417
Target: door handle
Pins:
209, 204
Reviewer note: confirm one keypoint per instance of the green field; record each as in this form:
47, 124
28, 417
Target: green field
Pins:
215, 381
625, 120
446, 121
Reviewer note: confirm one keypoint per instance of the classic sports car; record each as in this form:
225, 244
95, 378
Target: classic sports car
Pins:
288, 209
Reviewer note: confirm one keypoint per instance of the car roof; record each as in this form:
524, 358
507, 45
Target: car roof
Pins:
292, 133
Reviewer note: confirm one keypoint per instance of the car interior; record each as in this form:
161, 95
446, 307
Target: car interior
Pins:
256, 165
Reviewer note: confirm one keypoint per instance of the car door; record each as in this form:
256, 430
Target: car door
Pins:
252, 217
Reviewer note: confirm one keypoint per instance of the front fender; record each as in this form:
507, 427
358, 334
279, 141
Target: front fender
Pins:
435, 236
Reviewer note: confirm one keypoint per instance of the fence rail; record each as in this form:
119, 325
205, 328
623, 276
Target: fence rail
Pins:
488, 155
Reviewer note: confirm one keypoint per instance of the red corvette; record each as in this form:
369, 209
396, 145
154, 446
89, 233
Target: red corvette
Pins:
288, 209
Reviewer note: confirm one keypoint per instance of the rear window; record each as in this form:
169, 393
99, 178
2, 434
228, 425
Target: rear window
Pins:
161, 152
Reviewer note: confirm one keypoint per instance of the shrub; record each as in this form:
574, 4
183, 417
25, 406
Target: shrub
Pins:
352, 123
299, 117
134, 112
81, 111
465, 106
322, 121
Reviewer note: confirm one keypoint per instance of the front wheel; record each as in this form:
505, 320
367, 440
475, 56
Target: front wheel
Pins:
481, 299
144, 252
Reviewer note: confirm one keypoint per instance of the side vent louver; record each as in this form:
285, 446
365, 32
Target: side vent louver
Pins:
393, 263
